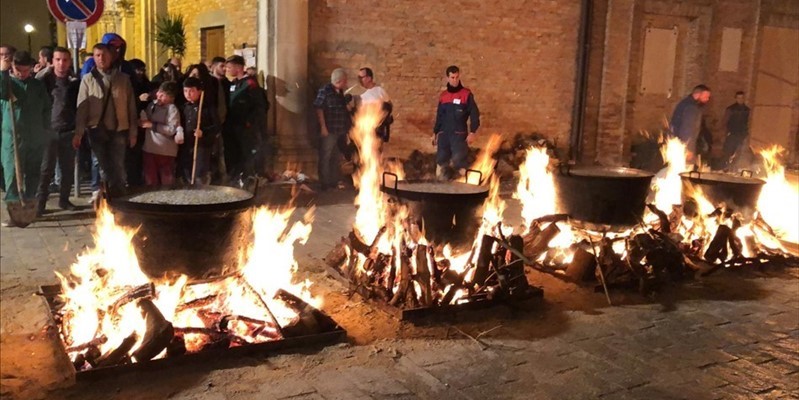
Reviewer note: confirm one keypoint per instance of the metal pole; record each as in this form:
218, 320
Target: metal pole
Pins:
76, 169
30, 49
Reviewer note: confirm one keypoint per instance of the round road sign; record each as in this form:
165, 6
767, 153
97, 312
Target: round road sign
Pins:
88, 11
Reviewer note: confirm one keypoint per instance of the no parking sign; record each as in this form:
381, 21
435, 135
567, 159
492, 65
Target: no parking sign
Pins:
88, 11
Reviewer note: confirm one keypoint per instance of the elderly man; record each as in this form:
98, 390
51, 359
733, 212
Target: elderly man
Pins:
333, 113
30, 122
107, 113
686, 121
63, 88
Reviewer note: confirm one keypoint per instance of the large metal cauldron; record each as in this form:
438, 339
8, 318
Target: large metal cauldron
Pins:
198, 240
449, 211
613, 196
737, 192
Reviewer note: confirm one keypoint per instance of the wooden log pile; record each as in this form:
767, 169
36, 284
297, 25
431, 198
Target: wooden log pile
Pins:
417, 276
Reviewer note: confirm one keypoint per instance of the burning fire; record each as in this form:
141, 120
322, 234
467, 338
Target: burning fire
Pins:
779, 199
387, 250
112, 313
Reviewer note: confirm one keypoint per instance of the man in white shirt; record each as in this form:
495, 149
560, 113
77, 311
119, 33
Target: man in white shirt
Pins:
372, 94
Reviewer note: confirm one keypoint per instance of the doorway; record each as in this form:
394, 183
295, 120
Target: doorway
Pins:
212, 42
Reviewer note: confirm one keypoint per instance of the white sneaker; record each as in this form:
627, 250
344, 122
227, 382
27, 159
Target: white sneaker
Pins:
95, 195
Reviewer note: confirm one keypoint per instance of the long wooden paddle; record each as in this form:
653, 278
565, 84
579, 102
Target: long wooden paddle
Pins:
196, 139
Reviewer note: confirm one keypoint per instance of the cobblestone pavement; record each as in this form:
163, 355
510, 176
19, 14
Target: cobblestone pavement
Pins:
733, 335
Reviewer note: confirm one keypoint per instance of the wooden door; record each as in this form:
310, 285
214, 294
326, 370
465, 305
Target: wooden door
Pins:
777, 89
213, 42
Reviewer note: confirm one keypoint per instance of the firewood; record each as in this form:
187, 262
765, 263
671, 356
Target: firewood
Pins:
717, 249
357, 244
146, 290
541, 242
197, 303
224, 323
583, 265
483, 260
85, 346
116, 356
405, 280
176, 347
92, 354
552, 218
336, 257
762, 224
158, 334
308, 322
736, 246
423, 275
665, 225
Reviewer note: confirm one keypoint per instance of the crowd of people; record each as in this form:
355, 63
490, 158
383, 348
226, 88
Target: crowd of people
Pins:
131, 130
204, 124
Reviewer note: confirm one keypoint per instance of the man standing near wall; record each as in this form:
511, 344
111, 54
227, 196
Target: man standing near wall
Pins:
736, 125
63, 88
375, 94
456, 105
686, 120
333, 113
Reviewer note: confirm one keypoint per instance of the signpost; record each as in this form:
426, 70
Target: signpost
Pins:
77, 15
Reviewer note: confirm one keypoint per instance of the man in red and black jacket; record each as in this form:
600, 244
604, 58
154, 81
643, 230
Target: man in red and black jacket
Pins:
456, 105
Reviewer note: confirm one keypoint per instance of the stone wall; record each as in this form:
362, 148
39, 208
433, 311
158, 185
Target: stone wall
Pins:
238, 18
518, 57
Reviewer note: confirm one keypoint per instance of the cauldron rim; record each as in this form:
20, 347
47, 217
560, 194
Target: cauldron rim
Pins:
712, 178
124, 204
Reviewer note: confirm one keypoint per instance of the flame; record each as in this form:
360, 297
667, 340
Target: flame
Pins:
667, 185
779, 199
484, 162
536, 188
102, 276
370, 216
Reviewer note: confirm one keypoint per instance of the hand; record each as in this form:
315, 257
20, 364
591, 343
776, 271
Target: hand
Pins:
144, 97
146, 124
133, 138
76, 141
324, 132
470, 138
179, 139
198, 133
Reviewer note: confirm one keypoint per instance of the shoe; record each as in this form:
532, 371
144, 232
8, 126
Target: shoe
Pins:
340, 186
67, 205
53, 188
41, 207
95, 195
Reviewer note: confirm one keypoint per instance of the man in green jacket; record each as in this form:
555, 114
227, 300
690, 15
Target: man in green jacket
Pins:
31, 121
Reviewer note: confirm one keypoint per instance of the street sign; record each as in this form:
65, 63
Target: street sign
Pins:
76, 34
88, 11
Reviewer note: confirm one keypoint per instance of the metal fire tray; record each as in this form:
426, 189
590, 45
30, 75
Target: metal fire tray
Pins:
334, 334
413, 315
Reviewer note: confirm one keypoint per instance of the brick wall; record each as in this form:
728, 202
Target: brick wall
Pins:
238, 18
518, 57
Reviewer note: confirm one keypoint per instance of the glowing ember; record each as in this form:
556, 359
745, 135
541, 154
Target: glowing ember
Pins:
113, 314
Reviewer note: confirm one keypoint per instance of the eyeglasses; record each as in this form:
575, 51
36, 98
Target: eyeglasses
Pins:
361, 76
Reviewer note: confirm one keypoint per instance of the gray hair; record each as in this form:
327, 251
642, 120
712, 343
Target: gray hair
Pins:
337, 75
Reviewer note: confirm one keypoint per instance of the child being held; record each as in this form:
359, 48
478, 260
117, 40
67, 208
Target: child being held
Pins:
161, 120
205, 131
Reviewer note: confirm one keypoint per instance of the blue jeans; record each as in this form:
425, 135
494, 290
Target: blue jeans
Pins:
452, 146
329, 161
111, 160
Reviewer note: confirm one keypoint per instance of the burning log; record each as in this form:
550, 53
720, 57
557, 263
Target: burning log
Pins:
484, 260
139, 292
85, 346
665, 224
336, 257
309, 322
117, 355
176, 347
197, 303
540, 243
583, 266
736, 246
717, 249
158, 334
405, 280
423, 275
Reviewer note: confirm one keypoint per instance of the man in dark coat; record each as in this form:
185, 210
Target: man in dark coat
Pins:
456, 106
246, 116
686, 120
